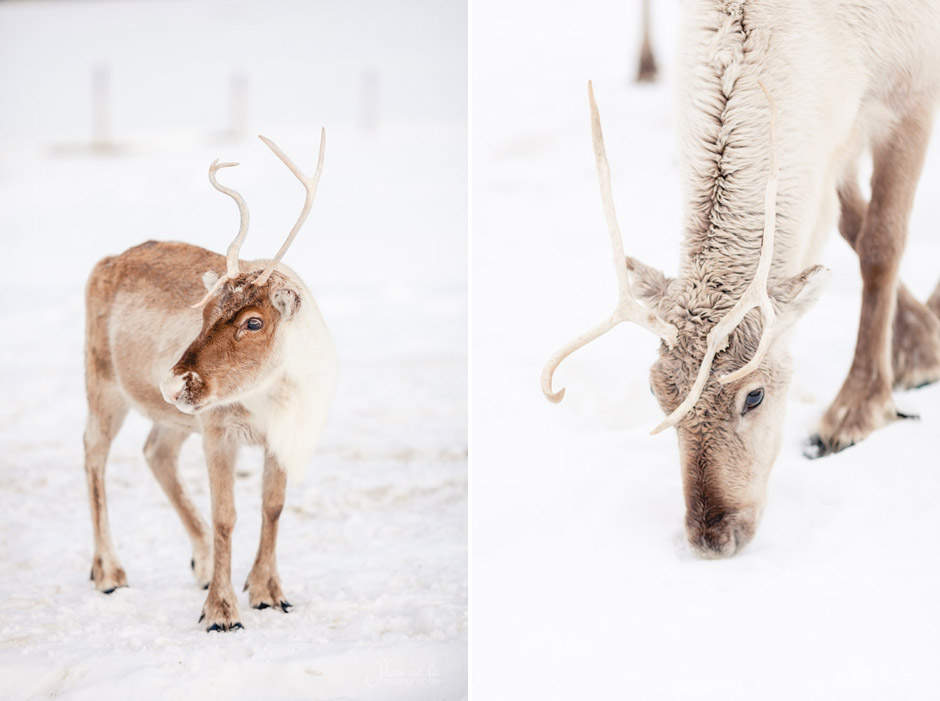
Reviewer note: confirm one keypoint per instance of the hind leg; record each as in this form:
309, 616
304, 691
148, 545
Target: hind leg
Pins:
162, 451
915, 337
106, 412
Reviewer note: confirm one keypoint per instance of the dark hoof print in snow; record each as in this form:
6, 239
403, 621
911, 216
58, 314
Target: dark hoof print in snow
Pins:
262, 605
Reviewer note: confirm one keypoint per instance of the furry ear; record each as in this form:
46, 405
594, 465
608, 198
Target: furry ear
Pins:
209, 279
648, 284
286, 301
794, 297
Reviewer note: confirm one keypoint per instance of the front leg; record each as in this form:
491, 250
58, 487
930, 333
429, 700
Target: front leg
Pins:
220, 611
264, 584
864, 403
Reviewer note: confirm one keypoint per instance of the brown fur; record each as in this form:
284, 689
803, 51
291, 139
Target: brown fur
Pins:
141, 300
864, 403
915, 338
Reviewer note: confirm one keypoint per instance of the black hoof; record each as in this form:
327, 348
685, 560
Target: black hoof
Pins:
109, 591
216, 628
205, 587
902, 415
815, 448
202, 617
262, 605
285, 605
91, 575
192, 564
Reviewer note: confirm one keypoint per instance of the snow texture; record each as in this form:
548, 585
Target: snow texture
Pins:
583, 585
373, 545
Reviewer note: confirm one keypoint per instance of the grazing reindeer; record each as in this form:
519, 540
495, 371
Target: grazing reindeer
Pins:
846, 75
252, 362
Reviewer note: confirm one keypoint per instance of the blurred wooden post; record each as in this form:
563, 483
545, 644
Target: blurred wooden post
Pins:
238, 106
100, 107
648, 70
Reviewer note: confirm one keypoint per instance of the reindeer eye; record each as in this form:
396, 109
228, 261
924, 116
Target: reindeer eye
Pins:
254, 323
753, 399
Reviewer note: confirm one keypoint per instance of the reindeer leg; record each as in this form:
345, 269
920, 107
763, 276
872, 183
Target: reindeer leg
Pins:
221, 609
106, 412
162, 451
915, 338
264, 584
864, 403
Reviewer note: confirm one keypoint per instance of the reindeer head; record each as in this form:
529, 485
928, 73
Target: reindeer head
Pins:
722, 373
239, 347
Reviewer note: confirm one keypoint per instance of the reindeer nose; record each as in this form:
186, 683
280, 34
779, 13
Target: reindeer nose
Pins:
719, 537
172, 387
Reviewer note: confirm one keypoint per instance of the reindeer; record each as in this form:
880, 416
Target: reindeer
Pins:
846, 76
251, 362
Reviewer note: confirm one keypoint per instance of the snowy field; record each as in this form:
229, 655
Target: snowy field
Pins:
583, 586
373, 544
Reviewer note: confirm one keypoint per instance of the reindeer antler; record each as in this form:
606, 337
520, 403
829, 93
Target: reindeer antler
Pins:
310, 185
756, 295
232, 253
627, 309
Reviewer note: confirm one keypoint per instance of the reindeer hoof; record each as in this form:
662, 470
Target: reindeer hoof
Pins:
216, 628
817, 448
902, 415
285, 605
262, 606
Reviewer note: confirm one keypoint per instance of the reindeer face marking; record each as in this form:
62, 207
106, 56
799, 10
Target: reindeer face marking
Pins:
730, 438
237, 348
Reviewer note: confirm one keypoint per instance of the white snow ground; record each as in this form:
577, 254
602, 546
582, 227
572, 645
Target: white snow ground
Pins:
373, 545
583, 586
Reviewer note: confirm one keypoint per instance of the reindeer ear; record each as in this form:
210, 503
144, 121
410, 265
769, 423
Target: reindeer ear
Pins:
795, 296
286, 301
209, 279
648, 284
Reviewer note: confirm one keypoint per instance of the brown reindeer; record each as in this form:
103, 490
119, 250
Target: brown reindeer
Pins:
252, 362
846, 76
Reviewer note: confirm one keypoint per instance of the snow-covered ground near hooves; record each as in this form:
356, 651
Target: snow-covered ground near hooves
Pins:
372, 548
582, 582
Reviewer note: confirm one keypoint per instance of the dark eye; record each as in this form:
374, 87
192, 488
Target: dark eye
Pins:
254, 323
753, 399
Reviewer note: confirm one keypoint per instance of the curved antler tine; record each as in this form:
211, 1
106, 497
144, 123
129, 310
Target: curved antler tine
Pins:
232, 253
627, 309
554, 361
310, 185
756, 295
